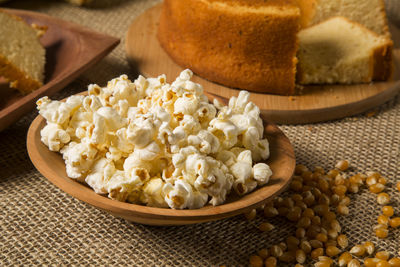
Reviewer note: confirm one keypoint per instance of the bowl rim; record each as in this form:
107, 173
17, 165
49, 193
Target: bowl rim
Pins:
207, 213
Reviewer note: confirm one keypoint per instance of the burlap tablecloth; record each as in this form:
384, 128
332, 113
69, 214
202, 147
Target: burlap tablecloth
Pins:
41, 225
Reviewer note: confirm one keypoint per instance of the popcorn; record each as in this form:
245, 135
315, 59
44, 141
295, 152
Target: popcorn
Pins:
158, 144
53, 136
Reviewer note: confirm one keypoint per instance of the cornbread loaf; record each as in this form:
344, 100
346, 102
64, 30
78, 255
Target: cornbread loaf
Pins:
247, 44
341, 51
370, 13
22, 57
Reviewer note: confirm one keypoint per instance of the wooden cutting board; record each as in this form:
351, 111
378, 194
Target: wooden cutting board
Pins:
316, 104
70, 50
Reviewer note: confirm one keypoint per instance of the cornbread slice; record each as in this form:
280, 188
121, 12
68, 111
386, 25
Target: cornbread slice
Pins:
341, 51
370, 13
22, 57
247, 44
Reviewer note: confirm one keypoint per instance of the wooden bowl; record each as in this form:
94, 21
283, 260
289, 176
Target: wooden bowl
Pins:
51, 165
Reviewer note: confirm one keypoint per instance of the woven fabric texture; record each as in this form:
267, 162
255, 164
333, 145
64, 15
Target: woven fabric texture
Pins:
41, 225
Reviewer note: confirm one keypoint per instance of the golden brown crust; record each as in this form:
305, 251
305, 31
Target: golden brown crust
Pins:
247, 51
17, 78
382, 62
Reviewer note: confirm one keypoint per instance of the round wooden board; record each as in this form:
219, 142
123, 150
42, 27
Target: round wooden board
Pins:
316, 104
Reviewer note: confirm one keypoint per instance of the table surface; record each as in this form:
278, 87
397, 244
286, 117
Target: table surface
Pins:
41, 225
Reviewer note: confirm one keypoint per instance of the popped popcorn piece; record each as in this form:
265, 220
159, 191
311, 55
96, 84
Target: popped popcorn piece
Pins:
158, 144
53, 136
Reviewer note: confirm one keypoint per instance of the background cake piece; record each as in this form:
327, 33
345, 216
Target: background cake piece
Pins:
370, 13
341, 51
247, 44
22, 57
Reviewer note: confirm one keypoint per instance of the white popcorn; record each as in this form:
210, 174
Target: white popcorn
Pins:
101, 173
56, 111
158, 144
78, 157
53, 136
261, 173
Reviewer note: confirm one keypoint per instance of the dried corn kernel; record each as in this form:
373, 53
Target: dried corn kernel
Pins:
342, 165
369, 247
383, 198
371, 180
288, 256
316, 220
336, 226
300, 256
330, 216
325, 258
331, 242
340, 190
371, 262
383, 219
388, 211
332, 251
332, 233
376, 188
353, 188
298, 265
382, 180
305, 246
270, 211
358, 250
263, 253
381, 232
345, 201
344, 259
316, 253
322, 237
256, 261
283, 246
275, 251
382, 255
398, 186
383, 263
300, 168
343, 210
308, 213
294, 214
296, 186
394, 222
322, 264
265, 227
300, 233
292, 242
270, 262
354, 263
316, 243
342, 241
251, 215
333, 173
356, 179
394, 262
304, 222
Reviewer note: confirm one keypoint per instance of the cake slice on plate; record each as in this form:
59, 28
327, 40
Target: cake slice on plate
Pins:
342, 51
370, 13
22, 56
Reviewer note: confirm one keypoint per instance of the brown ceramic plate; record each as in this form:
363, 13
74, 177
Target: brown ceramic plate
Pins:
70, 50
51, 166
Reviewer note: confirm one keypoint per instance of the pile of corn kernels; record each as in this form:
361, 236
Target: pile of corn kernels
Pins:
314, 201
